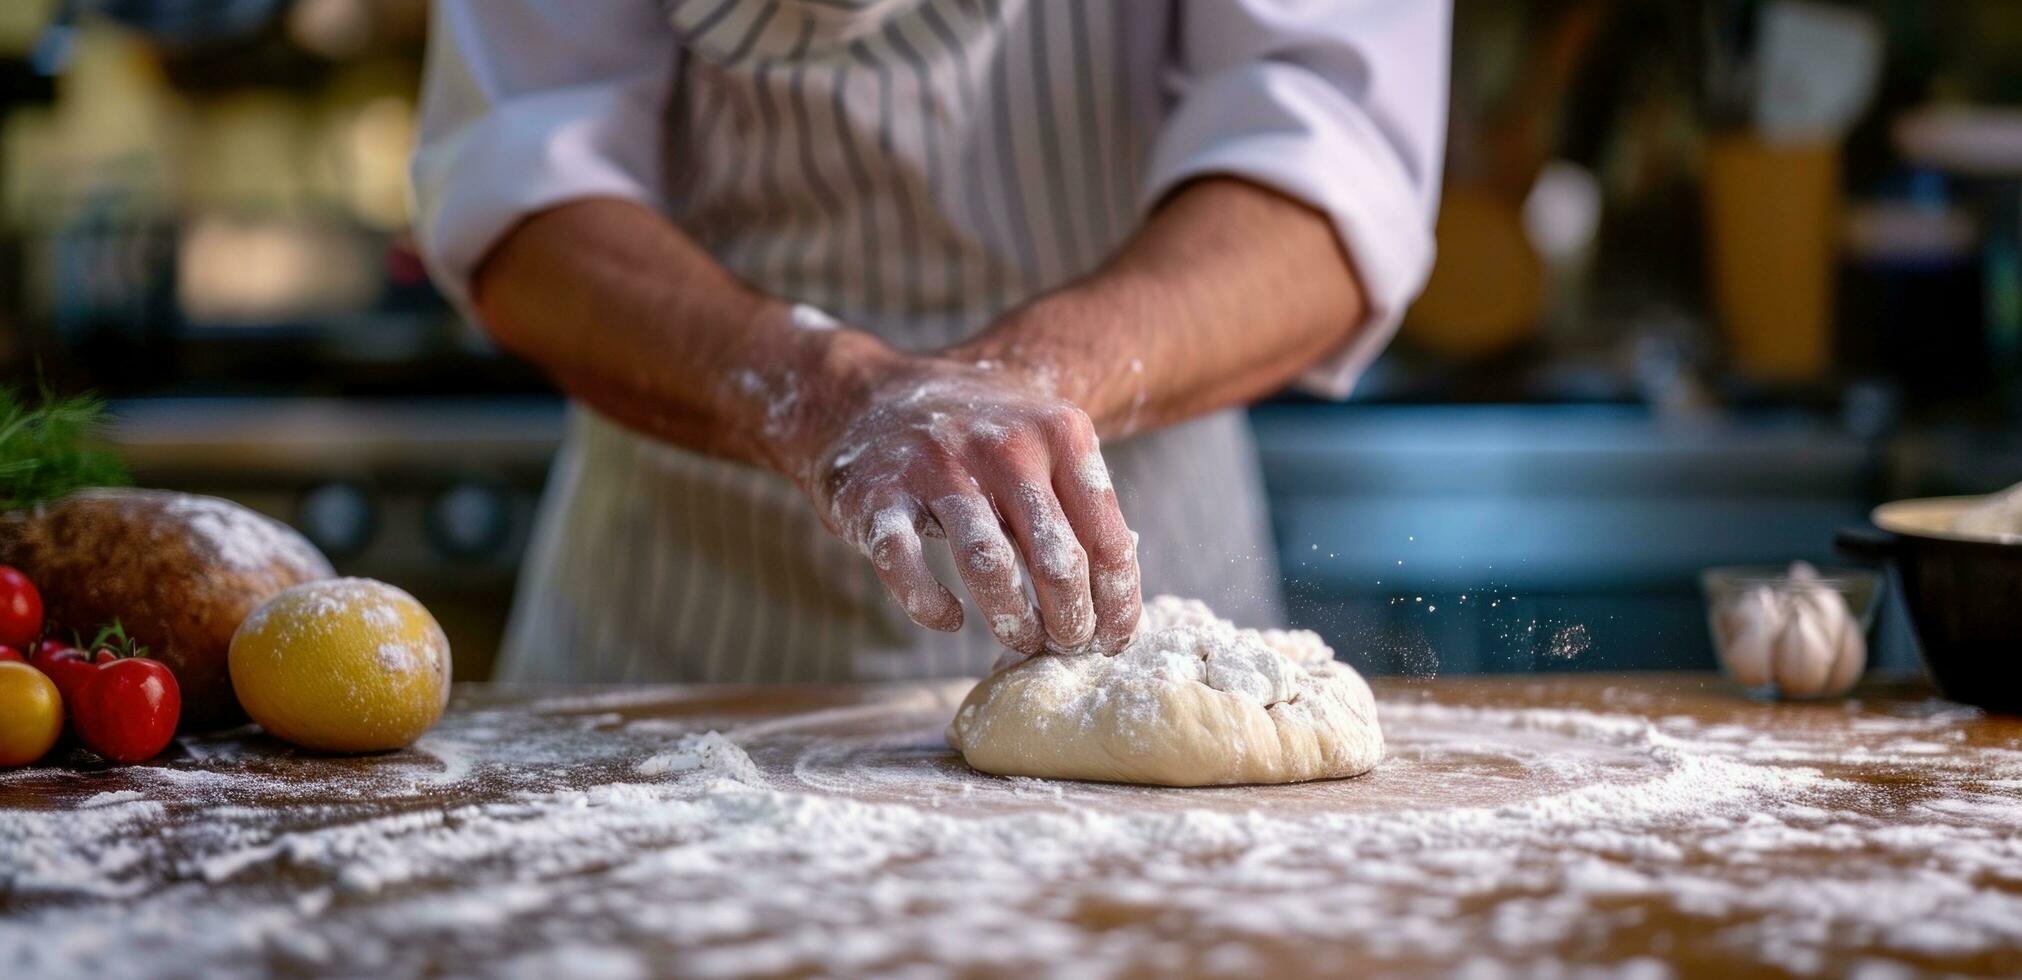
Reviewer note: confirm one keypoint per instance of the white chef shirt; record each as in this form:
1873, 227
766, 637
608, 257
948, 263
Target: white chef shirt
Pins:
914, 167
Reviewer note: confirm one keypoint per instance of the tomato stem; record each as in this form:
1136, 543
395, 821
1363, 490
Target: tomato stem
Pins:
113, 638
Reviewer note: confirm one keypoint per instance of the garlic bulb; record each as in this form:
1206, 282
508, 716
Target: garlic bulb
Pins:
1748, 627
1797, 633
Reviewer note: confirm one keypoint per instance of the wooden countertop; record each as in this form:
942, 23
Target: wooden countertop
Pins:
1539, 823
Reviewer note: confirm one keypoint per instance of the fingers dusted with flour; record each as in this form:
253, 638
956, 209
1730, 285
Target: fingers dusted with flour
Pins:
989, 569
892, 540
927, 447
1089, 501
1058, 564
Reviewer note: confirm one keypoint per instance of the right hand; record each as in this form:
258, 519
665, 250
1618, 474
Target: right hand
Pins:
895, 448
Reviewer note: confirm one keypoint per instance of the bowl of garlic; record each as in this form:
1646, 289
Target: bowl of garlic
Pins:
1796, 632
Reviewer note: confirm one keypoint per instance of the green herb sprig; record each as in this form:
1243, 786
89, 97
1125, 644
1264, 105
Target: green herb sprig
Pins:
52, 446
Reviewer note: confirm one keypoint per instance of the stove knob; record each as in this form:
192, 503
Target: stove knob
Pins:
469, 520
339, 518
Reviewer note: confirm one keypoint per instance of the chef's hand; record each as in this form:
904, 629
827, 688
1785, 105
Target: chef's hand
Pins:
901, 448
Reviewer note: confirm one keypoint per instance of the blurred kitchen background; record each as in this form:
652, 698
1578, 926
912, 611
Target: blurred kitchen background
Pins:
1716, 276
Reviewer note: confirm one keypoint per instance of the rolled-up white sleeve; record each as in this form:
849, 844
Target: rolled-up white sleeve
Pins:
527, 104
1340, 104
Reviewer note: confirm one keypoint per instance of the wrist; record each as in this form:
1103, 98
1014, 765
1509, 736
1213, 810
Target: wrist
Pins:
1072, 344
1023, 347
818, 377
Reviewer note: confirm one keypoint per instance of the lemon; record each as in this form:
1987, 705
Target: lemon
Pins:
342, 665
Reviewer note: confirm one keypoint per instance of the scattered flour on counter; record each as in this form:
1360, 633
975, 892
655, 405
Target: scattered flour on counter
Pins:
576, 959
92, 851
565, 840
708, 752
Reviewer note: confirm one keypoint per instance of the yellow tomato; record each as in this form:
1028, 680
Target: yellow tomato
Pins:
31, 714
342, 665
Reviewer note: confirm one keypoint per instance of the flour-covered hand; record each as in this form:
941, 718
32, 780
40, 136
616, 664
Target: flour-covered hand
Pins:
921, 447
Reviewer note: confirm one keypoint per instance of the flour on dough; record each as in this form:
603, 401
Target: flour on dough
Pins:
1193, 701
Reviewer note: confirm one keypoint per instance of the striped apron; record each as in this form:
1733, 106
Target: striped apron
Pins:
914, 168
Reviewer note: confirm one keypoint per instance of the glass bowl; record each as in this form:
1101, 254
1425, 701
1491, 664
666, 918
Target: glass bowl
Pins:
1727, 588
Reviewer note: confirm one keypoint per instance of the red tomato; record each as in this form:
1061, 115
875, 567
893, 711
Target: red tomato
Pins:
20, 609
9, 654
103, 657
127, 711
66, 666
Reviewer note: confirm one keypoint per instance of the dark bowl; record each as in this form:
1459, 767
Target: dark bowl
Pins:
1964, 594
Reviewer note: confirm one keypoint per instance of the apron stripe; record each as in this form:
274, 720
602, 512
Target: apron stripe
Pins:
790, 250
1125, 166
698, 157
764, 578
799, 572
701, 28
743, 49
686, 645
771, 210
909, 257
1011, 178
734, 249
1059, 198
1097, 151
715, 612
612, 489
871, 261
660, 504
982, 223
829, 236
925, 120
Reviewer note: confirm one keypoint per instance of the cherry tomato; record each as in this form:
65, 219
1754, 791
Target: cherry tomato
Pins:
66, 666
10, 655
20, 609
31, 714
127, 711
103, 657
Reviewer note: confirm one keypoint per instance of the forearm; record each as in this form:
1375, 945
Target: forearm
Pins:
1224, 296
629, 315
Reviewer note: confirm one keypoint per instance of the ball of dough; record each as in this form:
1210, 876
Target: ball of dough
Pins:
1193, 701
